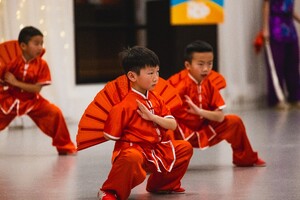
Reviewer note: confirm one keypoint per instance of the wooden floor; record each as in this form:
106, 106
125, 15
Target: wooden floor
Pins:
30, 168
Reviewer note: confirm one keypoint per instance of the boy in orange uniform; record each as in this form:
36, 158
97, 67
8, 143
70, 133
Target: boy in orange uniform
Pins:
138, 124
24, 77
200, 119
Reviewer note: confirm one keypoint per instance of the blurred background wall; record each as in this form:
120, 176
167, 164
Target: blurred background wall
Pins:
236, 60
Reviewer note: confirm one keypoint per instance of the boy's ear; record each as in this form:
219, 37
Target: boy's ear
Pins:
187, 64
132, 76
23, 45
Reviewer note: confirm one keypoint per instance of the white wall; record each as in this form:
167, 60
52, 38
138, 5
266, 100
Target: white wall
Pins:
56, 21
244, 71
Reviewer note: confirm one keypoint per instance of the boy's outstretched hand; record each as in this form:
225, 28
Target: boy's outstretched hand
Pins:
10, 78
144, 112
193, 108
167, 123
1, 82
214, 115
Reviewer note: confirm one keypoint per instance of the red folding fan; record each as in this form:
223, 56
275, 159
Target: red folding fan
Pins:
8, 51
90, 128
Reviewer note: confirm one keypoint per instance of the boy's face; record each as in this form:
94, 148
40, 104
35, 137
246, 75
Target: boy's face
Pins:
200, 65
33, 49
147, 79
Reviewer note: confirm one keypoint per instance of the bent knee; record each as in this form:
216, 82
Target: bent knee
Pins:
189, 149
234, 119
184, 146
132, 156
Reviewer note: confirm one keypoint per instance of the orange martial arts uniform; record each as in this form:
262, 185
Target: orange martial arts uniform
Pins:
15, 102
142, 147
203, 133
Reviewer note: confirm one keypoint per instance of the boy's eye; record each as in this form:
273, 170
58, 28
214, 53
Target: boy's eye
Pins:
203, 64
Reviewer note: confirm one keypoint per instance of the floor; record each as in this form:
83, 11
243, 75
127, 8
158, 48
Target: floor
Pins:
30, 168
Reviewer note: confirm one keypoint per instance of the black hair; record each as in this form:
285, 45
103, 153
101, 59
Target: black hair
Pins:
196, 46
27, 33
136, 58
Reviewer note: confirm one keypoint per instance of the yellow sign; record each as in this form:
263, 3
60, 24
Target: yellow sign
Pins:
191, 12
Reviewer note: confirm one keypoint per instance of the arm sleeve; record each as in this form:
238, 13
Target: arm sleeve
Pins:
44, 77
115, 123
165, 110
217, 101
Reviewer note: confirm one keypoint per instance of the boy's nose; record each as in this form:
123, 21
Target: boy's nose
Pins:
205, 68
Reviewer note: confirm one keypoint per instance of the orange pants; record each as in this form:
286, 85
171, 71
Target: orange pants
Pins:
50, 120
232, 130
130, 168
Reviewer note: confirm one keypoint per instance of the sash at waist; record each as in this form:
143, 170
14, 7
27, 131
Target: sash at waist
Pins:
161, 154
